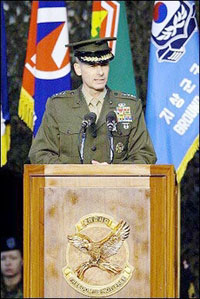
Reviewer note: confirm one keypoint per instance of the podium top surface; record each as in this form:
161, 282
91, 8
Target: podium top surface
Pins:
89, 169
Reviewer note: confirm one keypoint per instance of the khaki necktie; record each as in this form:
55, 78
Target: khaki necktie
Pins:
95, 106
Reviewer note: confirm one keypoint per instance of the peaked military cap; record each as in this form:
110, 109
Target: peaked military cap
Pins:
93, 51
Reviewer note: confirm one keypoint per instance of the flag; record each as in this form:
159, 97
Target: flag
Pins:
5, 115
109, 20
172, 109
47, 65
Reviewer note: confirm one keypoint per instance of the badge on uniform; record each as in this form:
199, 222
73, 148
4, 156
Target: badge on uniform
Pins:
123, 113
119, 147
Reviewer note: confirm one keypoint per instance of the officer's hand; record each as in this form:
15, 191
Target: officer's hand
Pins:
96, 162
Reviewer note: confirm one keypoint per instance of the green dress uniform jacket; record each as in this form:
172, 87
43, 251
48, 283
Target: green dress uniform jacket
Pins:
58, 138
17, 292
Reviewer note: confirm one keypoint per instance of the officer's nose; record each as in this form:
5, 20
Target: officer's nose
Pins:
100, 70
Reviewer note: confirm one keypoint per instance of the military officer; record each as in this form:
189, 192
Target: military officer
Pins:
11, 268
59, 138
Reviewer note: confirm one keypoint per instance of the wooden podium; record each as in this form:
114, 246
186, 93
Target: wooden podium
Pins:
101, 231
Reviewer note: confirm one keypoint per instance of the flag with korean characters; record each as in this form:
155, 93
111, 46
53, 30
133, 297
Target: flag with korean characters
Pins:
172, 110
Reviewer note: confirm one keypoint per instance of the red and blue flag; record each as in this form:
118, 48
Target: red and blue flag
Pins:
47, 65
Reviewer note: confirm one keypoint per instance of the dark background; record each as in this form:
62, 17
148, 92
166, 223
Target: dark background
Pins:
139, 15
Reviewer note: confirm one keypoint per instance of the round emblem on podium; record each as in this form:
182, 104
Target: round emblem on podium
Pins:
97, 256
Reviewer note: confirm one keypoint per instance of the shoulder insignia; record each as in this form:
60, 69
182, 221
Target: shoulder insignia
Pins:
124, 95
128, 96
66, 93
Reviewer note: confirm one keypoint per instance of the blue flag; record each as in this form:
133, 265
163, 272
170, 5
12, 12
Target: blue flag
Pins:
172, 111
5, 115
47, 66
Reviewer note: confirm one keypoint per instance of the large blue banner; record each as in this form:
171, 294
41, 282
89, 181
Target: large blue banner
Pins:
173, 83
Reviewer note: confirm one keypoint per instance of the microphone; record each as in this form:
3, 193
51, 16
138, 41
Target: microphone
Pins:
111, 121
89, 120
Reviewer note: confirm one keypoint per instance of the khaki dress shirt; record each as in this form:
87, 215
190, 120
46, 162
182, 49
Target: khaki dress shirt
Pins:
94, 104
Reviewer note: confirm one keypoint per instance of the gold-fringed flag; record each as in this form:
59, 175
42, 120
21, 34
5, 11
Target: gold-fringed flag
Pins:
172, 111
47, 66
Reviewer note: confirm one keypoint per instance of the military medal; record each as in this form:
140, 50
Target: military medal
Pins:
123, 113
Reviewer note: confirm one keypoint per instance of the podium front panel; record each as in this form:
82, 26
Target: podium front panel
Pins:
100, 231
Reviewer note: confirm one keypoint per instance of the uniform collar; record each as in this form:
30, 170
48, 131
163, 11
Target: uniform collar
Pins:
89, 99
109, 104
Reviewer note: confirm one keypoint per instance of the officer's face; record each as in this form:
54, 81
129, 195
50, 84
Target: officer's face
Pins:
11, 263
93, 76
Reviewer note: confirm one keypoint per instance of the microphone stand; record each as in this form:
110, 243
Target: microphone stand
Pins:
111, 121
83, 136
89, 121
110, 136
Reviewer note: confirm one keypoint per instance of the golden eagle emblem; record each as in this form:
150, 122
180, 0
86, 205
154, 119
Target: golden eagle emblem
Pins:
99, 251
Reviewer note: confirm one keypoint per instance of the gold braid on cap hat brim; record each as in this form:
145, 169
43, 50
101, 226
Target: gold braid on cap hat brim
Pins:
96, 57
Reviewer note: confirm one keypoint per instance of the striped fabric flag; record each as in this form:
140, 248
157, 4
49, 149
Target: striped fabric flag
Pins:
47, 66
172, 111
109, 20
5, 115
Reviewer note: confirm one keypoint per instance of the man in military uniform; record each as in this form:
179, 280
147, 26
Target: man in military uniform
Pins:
11, 268
60, 138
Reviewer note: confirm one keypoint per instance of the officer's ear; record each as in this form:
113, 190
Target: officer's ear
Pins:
77, 69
